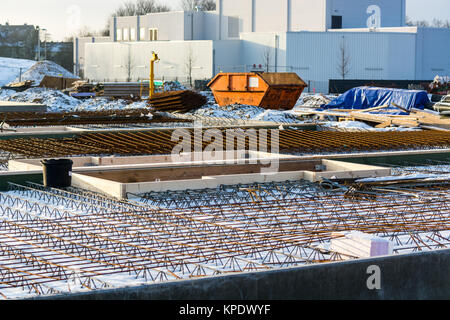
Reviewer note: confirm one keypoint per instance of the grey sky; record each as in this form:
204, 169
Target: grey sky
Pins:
62, 18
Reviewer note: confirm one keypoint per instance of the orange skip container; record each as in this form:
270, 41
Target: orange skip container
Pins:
272, 90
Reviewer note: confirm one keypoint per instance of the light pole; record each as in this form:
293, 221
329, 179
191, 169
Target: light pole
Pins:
45, 43
39, 43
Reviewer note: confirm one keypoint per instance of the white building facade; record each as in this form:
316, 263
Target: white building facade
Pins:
303, 36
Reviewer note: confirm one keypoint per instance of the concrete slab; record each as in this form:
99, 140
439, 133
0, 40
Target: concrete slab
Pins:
10, 106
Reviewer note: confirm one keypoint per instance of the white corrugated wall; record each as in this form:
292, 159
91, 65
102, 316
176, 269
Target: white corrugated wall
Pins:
315, 56
112, 61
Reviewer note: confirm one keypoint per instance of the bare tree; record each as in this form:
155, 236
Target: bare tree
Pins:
266, 58
435, 23
134, 8
438, 23
201, 5
416, 23
343, 66
139, 8
129, 64
85, 32
88, 32
208, 5
189, 65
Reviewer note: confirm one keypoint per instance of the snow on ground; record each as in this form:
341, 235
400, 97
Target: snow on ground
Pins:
174, 86
10, 69
242, 112
359, 126
56, 101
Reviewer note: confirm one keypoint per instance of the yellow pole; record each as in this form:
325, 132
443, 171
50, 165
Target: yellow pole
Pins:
152, 74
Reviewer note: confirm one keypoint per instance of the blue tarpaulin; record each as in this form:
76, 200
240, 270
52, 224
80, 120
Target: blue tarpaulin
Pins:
371, 97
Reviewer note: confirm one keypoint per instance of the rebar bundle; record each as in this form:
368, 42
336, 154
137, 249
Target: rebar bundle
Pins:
128, 116
290, 141
180, 101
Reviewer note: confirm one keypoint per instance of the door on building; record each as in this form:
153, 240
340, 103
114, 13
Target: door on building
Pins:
336, 22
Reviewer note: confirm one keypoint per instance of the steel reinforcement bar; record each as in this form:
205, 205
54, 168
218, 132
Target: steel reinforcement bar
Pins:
39, 253
164, 141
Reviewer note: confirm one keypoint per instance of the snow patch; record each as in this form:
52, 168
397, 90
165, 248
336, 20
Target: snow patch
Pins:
10, 69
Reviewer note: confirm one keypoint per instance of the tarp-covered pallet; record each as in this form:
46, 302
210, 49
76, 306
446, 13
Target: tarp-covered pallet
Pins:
370, 97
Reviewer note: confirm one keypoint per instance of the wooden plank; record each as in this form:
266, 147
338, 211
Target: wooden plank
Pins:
384, 125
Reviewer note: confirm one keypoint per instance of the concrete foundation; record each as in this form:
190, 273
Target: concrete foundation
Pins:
423, 275
119, 183
119, 176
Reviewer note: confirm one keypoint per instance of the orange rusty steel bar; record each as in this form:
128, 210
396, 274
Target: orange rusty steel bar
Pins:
159, 142
128, 116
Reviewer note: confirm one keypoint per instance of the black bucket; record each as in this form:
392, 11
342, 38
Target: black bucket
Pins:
57, 173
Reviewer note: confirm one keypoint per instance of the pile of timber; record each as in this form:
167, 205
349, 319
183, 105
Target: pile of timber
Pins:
414, 118
82, 89
83, 86
177, 101
19, 86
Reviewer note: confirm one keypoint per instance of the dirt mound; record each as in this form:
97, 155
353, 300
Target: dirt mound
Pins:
45, 68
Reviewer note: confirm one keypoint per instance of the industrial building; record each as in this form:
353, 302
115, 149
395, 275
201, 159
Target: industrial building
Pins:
294, 36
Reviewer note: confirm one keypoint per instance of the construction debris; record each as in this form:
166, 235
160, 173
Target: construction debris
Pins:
414, 118
83, 90
440, 85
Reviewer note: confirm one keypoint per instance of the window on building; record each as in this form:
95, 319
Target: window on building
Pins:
233, 27
133, 34
126, 34
119, 34
336, 22
142, 34
153, 34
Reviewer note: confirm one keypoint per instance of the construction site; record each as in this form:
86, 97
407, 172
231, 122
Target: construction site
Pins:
123, 209
252, 188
